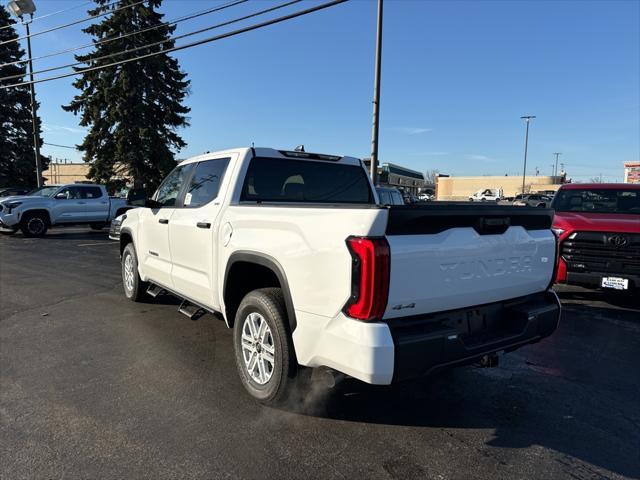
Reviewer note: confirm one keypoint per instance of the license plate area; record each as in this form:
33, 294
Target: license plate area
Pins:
615, 283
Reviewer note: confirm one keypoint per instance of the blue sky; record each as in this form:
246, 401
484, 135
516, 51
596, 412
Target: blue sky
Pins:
457, 75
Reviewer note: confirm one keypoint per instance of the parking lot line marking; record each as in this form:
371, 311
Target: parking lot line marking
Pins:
100, 243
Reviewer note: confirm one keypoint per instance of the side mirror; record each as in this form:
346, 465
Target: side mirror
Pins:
61, 196
137, 197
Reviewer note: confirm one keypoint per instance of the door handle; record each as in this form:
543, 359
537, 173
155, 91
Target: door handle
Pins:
203, 225
163, 221
82, 203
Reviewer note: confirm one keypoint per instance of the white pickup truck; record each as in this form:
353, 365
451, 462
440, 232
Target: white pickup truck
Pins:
59, 205
486, 195
294, 251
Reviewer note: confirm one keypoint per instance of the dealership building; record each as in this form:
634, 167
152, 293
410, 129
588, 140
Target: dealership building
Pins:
403, 178
631, 172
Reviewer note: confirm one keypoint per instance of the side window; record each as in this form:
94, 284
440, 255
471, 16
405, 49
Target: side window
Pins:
385, 199
91, 192
397, 198
169, 189
205, 182
70, 193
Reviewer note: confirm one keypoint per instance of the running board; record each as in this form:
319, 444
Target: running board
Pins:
192, 311
153, 291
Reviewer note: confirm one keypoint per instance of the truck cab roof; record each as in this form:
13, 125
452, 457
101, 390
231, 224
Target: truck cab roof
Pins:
275, 153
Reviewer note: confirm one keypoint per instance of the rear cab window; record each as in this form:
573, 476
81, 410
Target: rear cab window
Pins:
305, 181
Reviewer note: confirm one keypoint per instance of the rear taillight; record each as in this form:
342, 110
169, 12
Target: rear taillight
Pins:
369, 278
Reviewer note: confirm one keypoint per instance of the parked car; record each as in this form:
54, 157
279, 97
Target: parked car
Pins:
598, 226
291, 249
13, 191
389, 196
425, 197
532, 200
486, 195
59, 205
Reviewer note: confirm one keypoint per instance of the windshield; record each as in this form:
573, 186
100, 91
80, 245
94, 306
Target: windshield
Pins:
598, 201
43, 191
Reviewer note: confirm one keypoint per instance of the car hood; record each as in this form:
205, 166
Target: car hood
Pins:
597, 222
21, 198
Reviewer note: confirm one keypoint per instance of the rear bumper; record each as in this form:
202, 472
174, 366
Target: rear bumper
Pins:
427, 344
400, 349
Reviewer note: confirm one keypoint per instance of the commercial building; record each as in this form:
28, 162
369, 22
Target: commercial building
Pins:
59, 173
632, 172
461, 188
403, 178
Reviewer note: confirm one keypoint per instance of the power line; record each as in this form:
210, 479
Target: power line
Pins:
76, 22
35, 19
111, 39
255, 26
61, 146
161, 42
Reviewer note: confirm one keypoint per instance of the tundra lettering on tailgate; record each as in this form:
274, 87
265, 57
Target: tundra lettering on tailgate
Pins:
485, 268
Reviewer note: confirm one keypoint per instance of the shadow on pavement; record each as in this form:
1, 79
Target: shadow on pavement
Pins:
618, 299
521, 413
63, 234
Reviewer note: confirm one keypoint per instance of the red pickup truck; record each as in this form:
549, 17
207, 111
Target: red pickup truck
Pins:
598, 227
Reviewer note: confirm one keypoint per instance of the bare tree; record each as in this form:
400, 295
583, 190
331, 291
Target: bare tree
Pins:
430, 176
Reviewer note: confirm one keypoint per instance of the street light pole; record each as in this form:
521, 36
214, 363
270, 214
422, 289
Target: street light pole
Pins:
20, 8
376, 98
527, 119
557, 154
34, 114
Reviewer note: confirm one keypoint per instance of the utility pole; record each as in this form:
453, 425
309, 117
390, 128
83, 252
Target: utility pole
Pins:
552, 171
527, 119
555, 172
19, 9
376, 98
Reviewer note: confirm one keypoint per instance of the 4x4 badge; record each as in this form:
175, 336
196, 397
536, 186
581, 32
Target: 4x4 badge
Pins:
617, 240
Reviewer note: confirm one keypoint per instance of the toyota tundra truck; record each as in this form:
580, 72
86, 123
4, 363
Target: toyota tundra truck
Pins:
295, 252
59, 205
599, 229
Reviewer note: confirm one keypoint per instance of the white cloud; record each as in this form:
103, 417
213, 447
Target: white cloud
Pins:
413, 130
479, 158
48, 127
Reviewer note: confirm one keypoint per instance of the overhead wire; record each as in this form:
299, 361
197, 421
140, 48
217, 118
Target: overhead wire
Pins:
40, 17
214, 38
155, 44
57, 145
175, 21
76, 22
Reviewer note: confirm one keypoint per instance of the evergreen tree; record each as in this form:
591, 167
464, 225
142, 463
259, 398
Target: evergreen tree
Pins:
132, 110
17, 159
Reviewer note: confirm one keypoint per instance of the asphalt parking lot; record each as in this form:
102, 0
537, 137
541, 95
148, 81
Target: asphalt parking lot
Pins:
95, 386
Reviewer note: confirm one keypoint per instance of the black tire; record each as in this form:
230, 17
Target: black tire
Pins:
34, 224
286, 377
134, 288
97, 226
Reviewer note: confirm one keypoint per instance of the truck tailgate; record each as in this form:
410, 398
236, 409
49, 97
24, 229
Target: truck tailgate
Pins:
448, 256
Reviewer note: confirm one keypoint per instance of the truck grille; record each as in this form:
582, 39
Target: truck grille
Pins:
607, 252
